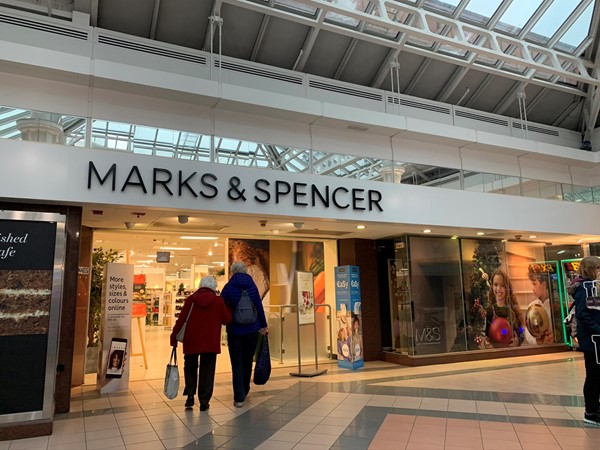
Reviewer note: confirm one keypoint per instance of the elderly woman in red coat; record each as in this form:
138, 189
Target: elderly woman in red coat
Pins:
202, 340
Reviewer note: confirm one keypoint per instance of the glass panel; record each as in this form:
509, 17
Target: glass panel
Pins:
480, 259
396, 15
517, 15
424, 175
480, 11
490, 182
380, 31
349, 166
38, 126
577, 33
551, 20
400, 304
297, 6
445, 7
358, 5
436, 292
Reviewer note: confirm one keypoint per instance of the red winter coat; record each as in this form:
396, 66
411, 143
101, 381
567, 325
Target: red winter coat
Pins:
203, 329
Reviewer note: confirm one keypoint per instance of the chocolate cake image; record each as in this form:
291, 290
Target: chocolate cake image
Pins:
256, 260
25, 297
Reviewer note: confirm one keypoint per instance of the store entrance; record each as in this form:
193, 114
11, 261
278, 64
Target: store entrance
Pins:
167, 267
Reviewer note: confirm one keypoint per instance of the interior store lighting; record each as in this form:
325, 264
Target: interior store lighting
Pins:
426, 230
360, 227
480, 233
533, 236
199, 238
175, 248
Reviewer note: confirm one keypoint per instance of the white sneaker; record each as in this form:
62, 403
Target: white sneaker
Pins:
238, 404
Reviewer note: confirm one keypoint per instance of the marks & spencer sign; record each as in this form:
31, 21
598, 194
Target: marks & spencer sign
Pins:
206, 186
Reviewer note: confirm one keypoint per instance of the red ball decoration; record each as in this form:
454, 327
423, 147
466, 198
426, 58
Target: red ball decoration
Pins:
500, 332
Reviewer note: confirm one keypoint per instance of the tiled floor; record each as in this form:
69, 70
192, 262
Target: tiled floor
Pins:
519, 403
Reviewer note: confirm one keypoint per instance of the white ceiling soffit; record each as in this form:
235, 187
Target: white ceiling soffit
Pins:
489, 45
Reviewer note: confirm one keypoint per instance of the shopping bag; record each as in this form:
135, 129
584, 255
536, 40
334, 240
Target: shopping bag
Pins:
171, 387
262, 368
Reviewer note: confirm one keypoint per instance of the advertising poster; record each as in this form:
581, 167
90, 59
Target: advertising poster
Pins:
348, 317
255, 254
115, 334
26, 276
306, 298
543, 316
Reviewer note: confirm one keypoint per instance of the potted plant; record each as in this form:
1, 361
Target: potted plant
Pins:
99, 259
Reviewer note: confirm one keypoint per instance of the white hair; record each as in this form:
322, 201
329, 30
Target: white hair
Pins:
238, 267
209, 282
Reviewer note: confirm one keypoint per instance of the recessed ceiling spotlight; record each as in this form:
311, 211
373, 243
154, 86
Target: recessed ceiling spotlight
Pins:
480, 233
533, 236
360, 227
426, 230
275, 231
454, 237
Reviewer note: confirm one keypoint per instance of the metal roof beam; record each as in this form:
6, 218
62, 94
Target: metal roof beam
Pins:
155, 10
421, 30
309, 43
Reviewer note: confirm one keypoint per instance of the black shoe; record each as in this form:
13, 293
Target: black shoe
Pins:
594, 419
189, 403
204, 406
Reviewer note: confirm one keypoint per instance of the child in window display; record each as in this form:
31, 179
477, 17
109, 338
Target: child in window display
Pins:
539, 287
504, 323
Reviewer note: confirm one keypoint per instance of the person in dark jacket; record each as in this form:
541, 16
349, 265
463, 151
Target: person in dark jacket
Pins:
202, 340
241, 339
587, 314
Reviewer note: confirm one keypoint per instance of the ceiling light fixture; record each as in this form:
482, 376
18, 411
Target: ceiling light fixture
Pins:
360, 227
298, 225
175, 248
183, 219
199, 238
426, 230
275, 231
480, 233
210, 253
129, 225
454, 237
533, 236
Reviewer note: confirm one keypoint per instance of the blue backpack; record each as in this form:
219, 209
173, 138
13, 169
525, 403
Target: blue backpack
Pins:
245, 312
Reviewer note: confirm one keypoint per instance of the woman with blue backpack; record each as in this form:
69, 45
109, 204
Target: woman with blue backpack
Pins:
241, 295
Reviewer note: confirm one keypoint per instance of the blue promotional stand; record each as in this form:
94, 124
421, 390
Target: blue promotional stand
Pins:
348, 317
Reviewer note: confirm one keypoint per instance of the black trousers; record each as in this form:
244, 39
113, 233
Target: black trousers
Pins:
206, 381
241, 353
591, 386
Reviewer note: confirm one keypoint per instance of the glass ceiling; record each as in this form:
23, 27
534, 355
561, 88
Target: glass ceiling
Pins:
563, 26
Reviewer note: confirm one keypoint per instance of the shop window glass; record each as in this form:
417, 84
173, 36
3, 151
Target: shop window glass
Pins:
436, 293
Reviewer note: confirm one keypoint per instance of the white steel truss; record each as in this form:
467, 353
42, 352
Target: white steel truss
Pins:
540, 65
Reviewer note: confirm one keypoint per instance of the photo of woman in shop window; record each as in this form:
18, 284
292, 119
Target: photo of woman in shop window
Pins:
504, 322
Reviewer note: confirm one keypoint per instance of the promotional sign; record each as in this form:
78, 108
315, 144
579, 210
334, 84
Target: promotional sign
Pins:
306, 298
115, 335
27, 259
348, 317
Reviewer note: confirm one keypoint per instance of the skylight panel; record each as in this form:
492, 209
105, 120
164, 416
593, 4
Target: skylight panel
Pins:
578, 31
480, 11
358, 5
446, 7
297, 6
551, 20
517, 15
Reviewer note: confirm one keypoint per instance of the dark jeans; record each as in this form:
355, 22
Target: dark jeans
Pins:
241, 353
591, 386
208, 361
